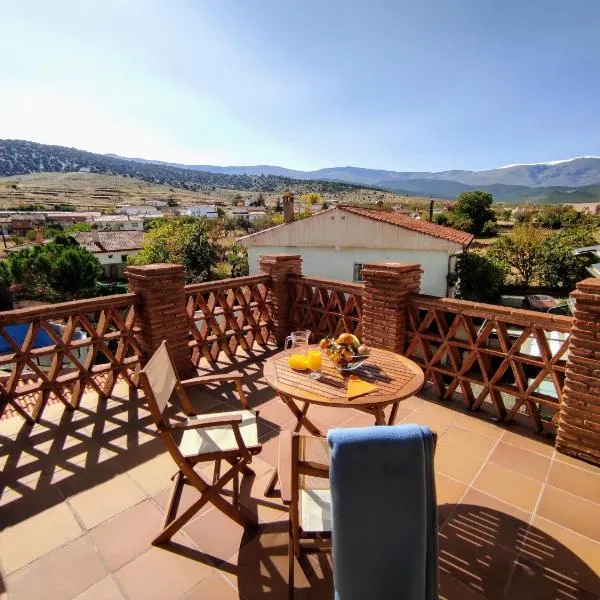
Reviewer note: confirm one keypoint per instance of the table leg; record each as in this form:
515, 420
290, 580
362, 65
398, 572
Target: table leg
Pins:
379, 416
301, 418
393, 414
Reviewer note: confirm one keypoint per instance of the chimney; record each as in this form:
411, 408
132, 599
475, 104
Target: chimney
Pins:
39, 237
95, 234
431, 210
288, 207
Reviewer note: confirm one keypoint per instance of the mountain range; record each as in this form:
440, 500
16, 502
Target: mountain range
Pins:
570, 180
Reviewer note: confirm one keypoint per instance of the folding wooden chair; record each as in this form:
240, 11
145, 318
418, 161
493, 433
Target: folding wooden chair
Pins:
231, 437
304, 480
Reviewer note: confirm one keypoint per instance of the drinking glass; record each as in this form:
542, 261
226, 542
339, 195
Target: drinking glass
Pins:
314, 364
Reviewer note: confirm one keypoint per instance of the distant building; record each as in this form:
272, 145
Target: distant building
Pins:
111, 248
21, 223
64, 219
120, 223
202, 210
138, 210
337, 242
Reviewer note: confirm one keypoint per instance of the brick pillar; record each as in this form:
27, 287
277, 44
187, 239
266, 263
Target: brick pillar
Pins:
162, 312
279, 266
384, 314
579, 422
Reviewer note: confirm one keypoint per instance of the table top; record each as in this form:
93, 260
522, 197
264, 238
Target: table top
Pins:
395, 376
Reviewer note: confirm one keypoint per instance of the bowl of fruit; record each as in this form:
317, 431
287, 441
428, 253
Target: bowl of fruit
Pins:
346, 352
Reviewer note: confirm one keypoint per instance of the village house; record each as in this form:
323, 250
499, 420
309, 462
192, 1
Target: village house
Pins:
21, 223
111, 248
202, 210
126, 209
120, 223
337, 242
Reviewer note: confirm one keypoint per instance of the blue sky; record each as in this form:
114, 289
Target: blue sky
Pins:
397, 84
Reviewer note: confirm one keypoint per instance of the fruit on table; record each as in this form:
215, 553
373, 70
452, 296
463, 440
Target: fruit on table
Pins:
299, 362
344, 350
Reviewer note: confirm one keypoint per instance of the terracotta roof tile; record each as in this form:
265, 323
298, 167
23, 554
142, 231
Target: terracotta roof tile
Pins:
111, 241
400, 220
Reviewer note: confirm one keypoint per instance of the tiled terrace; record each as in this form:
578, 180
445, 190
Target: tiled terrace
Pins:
82, 494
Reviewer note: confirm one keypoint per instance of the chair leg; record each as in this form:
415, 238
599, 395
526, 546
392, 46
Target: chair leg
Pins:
291, 558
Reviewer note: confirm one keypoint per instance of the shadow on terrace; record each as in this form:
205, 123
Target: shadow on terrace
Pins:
83, 491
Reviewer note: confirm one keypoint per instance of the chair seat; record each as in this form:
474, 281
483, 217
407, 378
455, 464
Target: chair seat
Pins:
220, 438
315, 510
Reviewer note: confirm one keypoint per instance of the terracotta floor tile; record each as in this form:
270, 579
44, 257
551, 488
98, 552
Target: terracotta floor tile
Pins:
573, 556
127, 535
490, 519
570, 511
214, 587
482, 567
532, 582
522, 461
508, 486
422, 418
252, 497
155, 474
222, 546
453, 460
59, 575
105, 589
577, 481
528, 441
575, 462
469, 441
102, 502
452, 589
164, 573
439, 411
448, 490
275, 412
30, 539
189, 495
478, 422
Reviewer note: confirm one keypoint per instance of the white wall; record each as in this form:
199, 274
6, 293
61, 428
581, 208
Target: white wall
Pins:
339, 264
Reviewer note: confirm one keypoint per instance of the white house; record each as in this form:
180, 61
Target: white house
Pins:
137, 210
111, 248
337, 242
120, 223
202, 210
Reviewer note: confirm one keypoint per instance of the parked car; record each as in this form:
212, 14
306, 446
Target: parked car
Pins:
544, 303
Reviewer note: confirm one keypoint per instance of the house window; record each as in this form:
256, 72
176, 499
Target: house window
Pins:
124, 258
357, 276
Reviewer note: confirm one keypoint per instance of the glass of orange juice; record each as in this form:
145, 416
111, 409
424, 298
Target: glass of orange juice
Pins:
314, 364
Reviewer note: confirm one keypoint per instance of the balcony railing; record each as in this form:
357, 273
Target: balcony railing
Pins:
324, 306
513, 360
227, 315
52, 353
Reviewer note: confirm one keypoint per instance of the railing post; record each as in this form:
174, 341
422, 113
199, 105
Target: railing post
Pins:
162, 312
579, 423
384, 311
278, 267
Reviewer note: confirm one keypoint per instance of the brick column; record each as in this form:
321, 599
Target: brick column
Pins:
162, 312
579, 422
384, 314
279, 266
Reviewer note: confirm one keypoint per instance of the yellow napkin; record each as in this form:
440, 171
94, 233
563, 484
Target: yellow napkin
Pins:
357, 387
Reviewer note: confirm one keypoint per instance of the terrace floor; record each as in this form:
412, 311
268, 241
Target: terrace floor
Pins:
82, 495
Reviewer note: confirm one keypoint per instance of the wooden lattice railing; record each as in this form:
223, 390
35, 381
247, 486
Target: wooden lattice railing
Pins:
324, 306
56, 352
513, 360
228, 314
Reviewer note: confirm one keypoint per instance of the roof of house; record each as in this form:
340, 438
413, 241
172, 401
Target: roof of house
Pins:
401, 220
119, 218
110, 241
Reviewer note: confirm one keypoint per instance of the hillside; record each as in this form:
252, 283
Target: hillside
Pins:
18, 157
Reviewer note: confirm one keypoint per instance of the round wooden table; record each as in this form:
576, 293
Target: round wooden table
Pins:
395, 376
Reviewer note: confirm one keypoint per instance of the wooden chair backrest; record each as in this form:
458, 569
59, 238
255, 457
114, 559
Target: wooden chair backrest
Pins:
159, 381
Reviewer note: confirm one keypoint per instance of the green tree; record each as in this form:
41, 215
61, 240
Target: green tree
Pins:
278, 208
478, 277
521, 250
441, 219
490, 229
475, 207
557, 266
77, 227
192, 242
60, 270
238, 258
